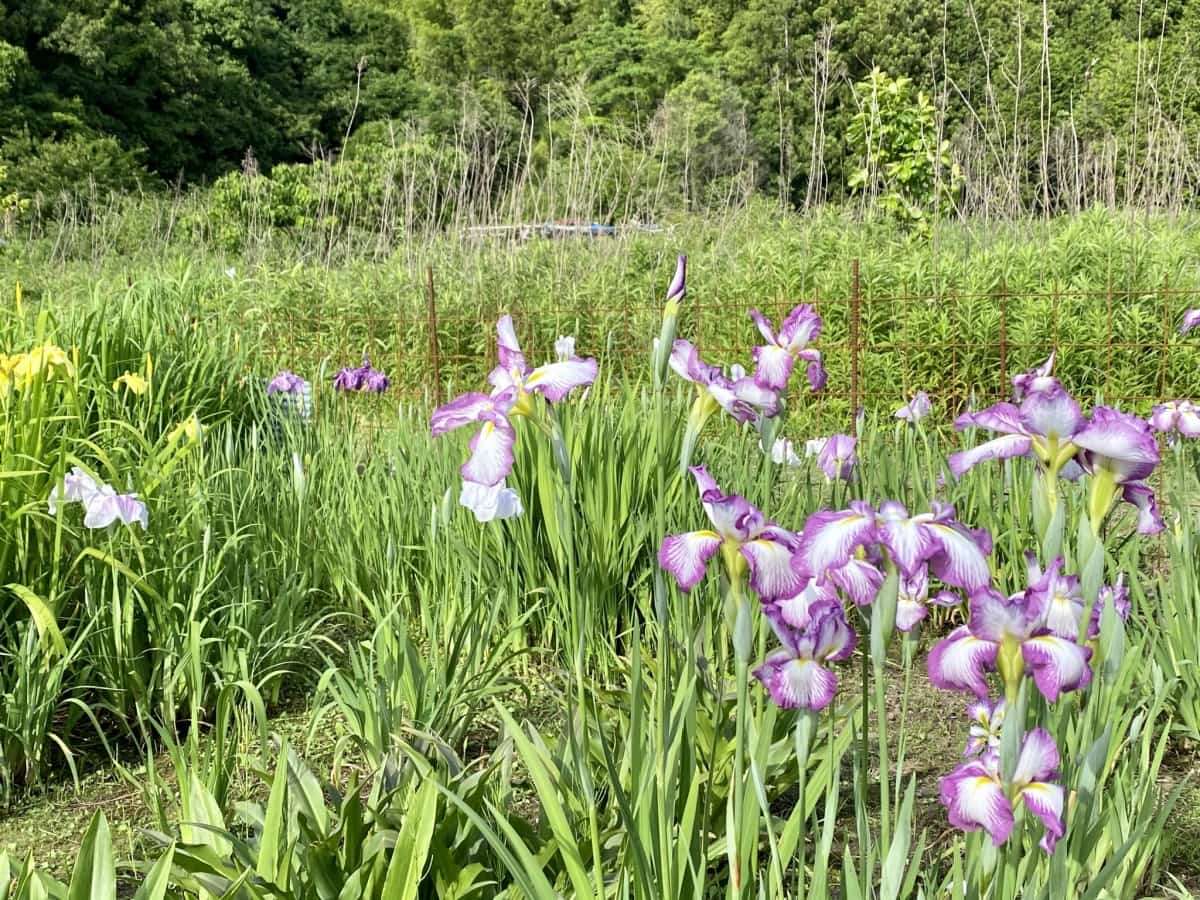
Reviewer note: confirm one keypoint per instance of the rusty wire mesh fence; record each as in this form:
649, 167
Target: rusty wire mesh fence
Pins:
1119, 344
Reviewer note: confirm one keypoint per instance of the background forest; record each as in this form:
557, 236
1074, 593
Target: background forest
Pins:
630, 108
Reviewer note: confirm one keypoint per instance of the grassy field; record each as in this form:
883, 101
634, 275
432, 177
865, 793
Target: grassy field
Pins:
312, 670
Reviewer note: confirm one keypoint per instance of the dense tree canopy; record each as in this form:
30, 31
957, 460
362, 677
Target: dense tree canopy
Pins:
185, 90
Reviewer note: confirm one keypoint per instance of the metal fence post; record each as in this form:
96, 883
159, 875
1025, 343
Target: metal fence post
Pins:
855, 338
435, 364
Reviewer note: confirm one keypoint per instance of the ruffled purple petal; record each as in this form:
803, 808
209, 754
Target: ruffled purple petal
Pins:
509, 351
1058, 665
460, 411
1052, 413
796, 683
801, 327
491, 452
830, 538
959, 662
974, 798
557, 379
1121, 443
772, 367
686, 556
773, 570
1141, 496
1005, 447
1191, 319
859, 579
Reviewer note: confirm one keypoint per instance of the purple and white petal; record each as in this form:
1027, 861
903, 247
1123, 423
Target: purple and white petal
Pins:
1005, 447
908, 541
491, 452
509, 350
859, 579
1120, 443
773, 570
1191, 319
1035, 379
833, 638
960, 561
686, 556
959, 662
994, 617
796, 683
1052, 413
747, 390
1039, 758
1045, 801
460, 411
830, 538
1004, 418
801, 327
686, 362
1141, 496
557, 379
1058, 665
772, 367
911, 600
764, 327
974, 798
795, 611
915, 409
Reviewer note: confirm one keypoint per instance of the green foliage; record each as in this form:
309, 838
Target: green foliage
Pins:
85, 167
902, 161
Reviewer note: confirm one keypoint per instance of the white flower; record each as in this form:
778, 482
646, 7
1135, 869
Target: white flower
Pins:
490, 502
564, 348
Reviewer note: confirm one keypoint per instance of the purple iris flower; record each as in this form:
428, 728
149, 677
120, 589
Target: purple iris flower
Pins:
286, 382
775, 359
1010, 635
740, 396
102, 505
553, 380
363, 378
795, 675
513, 387
913, 601
1119, 451
1117, 594
987, 720
915, 409
745, 535
1191, 319
1036, 379
678, 286
837, 458
1177, 415
956, 555
976, 796
1059, 597
107, 507
77, 487
1044, 425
